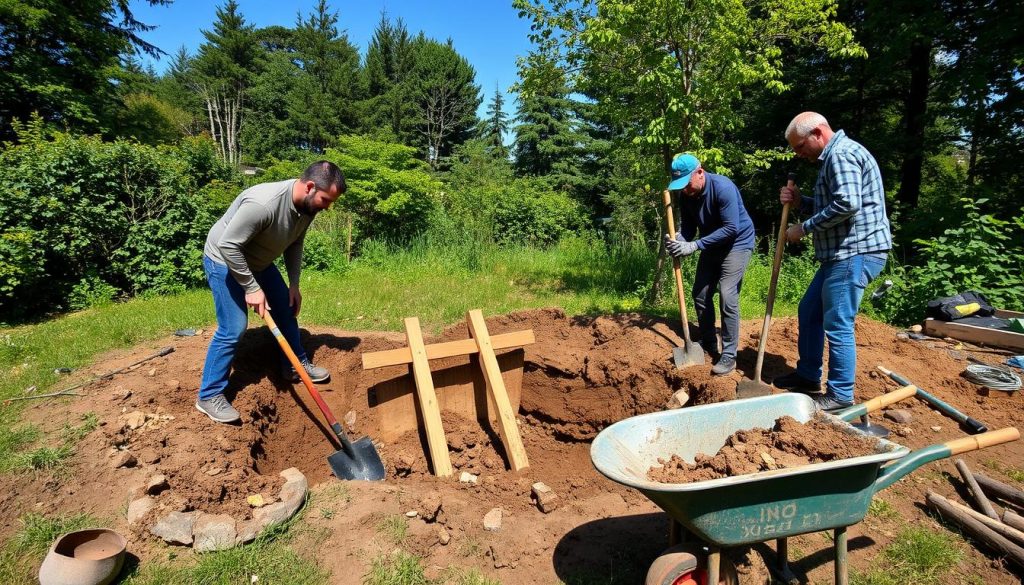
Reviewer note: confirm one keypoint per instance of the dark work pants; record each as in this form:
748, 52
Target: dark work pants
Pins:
724, 270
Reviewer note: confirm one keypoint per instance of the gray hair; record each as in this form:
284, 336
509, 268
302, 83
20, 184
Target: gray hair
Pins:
803, 123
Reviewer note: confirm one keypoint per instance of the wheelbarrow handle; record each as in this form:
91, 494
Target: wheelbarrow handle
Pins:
876, 403
891, 473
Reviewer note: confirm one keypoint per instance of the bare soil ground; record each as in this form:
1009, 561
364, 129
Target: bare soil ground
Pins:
582, 374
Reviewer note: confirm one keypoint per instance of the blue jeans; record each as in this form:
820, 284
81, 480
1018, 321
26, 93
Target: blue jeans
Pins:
233, 318
827, 310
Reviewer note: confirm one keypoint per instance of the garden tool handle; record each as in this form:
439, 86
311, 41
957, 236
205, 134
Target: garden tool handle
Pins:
878, 402
975, 442
287, 349
676, 267
780, 244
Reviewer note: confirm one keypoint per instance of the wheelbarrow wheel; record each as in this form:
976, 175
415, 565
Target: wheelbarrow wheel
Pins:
686, 564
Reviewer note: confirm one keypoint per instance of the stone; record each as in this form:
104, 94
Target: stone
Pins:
412, 514
272, 514
248, 530
156, 484
936, 429
214, 471
213, 532
678, 400
225, 445
175, 528
467, 477
899, 415
152, 372
492, 520
547, 499
138, 509
350, 419
443, 536
123, 459
120, 394
149, 456
430, 505
133, 419
173, 384
293, 492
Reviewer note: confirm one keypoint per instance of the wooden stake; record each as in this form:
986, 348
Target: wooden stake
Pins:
977, 530
979, 495
496, 388
1008, 532
1000, 490
436, 441
1011, 518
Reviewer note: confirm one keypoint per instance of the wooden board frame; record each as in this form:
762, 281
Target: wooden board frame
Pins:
427, 398
975, 334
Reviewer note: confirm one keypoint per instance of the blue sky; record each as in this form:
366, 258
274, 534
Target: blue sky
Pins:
489, 33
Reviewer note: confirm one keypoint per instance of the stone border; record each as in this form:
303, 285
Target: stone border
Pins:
211, 532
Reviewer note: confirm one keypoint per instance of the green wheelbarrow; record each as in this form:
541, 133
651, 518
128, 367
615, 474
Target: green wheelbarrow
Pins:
757, 507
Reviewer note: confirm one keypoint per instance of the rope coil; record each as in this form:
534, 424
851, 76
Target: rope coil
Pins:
993, 377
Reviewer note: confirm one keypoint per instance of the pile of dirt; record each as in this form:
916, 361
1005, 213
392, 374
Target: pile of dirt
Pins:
787, 445
582, 374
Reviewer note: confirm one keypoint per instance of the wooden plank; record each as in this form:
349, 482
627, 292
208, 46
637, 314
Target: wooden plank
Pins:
974, 334
460, 387
436, 441
1005, 314
508, 429
436, 351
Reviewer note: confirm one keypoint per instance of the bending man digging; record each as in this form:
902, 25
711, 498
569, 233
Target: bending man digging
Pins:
263, 222
712, 204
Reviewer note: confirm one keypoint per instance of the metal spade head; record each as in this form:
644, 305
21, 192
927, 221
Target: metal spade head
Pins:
752, 388
691, 354
362, 463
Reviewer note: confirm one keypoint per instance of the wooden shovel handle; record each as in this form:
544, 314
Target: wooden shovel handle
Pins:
287, 349
676, 268
780, 245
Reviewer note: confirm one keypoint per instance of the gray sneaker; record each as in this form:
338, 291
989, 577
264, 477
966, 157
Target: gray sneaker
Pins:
316, 373
725, 364
218, 408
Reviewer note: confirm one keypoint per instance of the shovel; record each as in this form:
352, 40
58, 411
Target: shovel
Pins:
356, 460
755, 387
691, 354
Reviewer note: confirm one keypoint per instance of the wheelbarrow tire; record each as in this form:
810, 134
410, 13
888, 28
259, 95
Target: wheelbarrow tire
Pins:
686, 564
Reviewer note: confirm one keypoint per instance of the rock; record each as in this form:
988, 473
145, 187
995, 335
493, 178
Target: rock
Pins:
152, 372
213, 532
149, 456
412, 514
248, 530
678, 400
899, 415
936, 429
133, 419
547, 499
293, 492
492, 520
120, 394
467, 477
225, 445
174, 385
175, 528
916, 328
139, 508
156, 484
350, 419
123, 459
902, 336
255, 500
442, 536
214, 471
430, 505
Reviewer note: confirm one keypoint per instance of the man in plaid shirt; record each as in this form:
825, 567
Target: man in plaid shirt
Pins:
851, 240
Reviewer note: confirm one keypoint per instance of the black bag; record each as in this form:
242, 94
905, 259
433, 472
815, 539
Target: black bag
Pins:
965, 304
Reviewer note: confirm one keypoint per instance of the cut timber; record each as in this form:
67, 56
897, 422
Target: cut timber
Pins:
429, 409
397, 357
977, 529
974, 334
1000, 490
507, 426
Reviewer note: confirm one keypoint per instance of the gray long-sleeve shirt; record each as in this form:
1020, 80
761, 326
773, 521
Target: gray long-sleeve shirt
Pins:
261, 224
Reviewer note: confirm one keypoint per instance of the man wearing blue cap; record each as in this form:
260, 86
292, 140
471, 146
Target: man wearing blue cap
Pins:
712, 204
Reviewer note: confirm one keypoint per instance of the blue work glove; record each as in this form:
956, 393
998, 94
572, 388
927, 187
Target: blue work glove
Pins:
679, 247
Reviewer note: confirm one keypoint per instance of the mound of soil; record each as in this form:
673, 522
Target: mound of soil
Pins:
582, 374
786, 445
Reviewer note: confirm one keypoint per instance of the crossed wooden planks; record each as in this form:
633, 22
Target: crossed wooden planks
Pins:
481, 343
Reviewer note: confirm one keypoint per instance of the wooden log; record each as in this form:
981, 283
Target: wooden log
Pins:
979, 496
436, 351
1000, 490
976, 529
436, 441
1008, 532
1011, 518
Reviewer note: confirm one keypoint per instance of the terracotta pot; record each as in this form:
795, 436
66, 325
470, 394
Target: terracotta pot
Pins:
85, 557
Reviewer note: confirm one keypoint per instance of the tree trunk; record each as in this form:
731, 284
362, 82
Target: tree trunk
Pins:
915, 116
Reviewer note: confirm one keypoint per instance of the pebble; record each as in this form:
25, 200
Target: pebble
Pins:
936, 429
412, 514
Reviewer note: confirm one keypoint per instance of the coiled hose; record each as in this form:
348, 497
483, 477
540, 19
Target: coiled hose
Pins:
993, 377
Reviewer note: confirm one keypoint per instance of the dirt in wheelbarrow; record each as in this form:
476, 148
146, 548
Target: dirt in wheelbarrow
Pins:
582, 374
787, 445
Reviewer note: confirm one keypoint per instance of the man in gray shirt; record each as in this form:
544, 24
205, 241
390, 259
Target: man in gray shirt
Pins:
262, 223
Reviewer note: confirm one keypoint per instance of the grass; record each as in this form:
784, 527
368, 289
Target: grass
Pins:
398, 568
916, 555
14, 457
20, 557
1010, 472
882, 510
330, 499
394, 528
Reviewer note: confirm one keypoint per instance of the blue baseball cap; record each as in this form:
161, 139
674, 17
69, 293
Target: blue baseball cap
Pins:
683, 166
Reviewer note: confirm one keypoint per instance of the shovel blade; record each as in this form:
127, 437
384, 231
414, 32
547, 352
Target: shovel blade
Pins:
752, 388
364, 462
691, 354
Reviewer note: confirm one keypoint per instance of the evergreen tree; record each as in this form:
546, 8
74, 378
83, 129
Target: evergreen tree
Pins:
495, 126
389, 60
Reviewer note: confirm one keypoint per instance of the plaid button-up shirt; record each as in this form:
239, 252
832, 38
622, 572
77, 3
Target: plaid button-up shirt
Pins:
849, 203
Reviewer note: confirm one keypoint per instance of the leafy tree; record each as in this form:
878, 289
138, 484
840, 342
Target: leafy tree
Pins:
445, 95
58, 58
224, 68
496, 125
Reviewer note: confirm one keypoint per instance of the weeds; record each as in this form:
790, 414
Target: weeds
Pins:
20, 557
882, 510
916, 555
399, 568
394, 528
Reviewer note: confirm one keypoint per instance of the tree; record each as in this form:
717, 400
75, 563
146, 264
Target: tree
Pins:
445, 95
389, 60
226, 64
495, 126
56, 58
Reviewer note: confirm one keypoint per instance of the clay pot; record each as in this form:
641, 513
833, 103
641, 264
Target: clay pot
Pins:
85, 557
